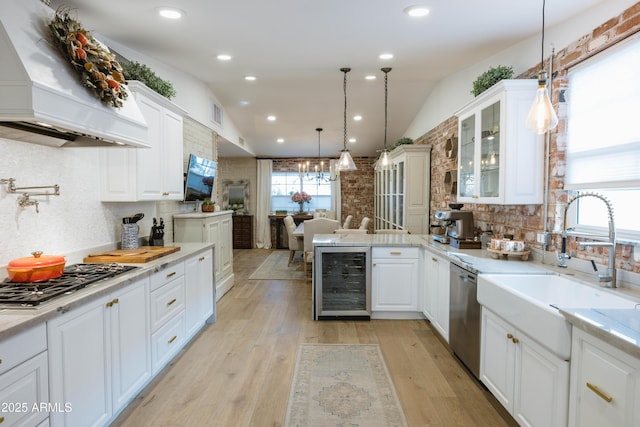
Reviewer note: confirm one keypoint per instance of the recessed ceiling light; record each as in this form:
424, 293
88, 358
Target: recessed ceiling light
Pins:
386, 56
357, 118
224, 57
370, 77
352, 140
416, 11
271, 118
280, 140
170, 13
250, 78
244, 102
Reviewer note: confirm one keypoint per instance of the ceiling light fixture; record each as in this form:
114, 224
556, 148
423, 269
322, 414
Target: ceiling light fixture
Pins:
416, 11
542, 117
280, 140
250, 78
271, 118
370, 77
224, 57
319, 176
346, 162
357, 117
384, 163
170, 13
386, 56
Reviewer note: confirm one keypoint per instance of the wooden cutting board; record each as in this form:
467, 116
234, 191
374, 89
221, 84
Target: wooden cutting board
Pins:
133, 256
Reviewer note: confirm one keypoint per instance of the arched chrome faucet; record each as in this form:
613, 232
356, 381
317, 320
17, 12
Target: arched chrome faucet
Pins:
609, 277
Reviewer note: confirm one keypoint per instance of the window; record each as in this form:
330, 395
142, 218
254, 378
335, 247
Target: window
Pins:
603, 138
285, 184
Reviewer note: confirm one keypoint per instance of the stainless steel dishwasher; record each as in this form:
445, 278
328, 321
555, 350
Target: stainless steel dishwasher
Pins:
464, 317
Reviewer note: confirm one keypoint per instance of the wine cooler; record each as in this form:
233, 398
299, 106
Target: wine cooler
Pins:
342, 279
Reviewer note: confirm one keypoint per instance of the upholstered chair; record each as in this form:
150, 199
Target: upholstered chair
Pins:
364, 224
391, 232
347, 222
295, 243
312, 227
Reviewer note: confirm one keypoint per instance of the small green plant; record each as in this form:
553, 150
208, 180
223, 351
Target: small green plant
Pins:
403, 141
135, 71
490, 77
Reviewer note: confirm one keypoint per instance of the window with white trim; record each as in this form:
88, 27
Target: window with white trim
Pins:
603, 138
285, 184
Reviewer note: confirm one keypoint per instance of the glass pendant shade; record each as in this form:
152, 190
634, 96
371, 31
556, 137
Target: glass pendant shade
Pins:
383, 163
542, 117
345, 163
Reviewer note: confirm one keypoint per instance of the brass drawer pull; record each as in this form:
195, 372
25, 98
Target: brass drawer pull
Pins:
509, 336
201, 259
515, 340
173, 338
165, 193
434, 259
171, 274
395, 253
171, 302
1, 420
599, 392
116, 300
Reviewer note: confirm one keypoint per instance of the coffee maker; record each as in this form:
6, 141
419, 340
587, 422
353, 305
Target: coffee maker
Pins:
459, 224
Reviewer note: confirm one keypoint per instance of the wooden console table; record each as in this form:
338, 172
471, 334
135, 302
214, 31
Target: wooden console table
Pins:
277, 219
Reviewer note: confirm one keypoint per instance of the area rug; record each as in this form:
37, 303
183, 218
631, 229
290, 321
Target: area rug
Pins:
275, 267
342, 385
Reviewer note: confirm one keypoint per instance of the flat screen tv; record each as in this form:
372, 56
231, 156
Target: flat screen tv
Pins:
200, 180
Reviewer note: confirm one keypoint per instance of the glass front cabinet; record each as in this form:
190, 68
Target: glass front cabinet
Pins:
402, 193
500, 161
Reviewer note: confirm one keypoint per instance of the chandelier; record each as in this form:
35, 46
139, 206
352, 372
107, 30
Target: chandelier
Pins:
318, 173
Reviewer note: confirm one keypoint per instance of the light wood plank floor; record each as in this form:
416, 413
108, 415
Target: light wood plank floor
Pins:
237, 372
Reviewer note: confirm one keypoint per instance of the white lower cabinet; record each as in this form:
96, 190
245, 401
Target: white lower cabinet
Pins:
435, 305
605, 384
394, 275
199, 286
527, 379
99, 356
215, 228
24, 382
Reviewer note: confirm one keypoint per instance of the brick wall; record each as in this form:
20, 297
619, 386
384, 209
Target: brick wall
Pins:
523, 221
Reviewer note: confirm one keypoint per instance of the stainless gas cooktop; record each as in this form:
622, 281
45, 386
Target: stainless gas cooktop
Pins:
15, 295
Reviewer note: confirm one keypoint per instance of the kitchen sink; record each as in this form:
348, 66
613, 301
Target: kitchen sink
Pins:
530, 302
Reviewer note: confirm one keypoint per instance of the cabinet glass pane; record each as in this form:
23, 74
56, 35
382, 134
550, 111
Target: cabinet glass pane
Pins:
490, 150
467, 143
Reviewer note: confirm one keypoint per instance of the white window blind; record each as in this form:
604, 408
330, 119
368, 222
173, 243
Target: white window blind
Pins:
603, 138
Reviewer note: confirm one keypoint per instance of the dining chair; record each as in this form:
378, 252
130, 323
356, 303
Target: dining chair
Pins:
347, 222
388, 231
364, 224
295, 243
312, 227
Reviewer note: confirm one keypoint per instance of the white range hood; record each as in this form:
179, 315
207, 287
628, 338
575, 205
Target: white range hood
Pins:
41, 97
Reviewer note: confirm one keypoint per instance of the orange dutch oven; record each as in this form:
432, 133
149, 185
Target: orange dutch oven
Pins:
37, 268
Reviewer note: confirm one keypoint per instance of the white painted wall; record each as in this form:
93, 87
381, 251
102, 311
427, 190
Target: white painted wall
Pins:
454, 91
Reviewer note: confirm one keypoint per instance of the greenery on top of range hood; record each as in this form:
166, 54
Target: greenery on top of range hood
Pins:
136, 71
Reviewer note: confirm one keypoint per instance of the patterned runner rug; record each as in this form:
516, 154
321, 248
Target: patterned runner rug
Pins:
275, 267
340, 385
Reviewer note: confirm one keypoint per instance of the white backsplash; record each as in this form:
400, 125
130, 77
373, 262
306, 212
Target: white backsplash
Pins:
74, 221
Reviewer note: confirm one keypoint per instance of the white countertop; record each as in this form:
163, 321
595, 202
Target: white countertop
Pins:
13, 321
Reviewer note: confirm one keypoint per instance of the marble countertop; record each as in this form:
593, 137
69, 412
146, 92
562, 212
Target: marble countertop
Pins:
619, 327
13, 321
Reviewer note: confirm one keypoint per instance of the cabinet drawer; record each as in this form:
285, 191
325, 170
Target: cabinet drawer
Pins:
395, 252
165, 276
22, 346
166, 302
166, 342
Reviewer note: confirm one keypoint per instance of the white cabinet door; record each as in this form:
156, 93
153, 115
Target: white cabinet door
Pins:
441, 309
605, 384
79, 349
199, 287
394, 279
22, 389
130, 342
212, 234
225, 246
99, 356
528, 380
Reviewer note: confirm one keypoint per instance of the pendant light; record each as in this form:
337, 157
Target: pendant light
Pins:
346, 162
384, 163
542, 117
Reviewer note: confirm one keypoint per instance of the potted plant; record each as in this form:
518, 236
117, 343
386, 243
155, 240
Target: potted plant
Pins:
208, 205
490, 77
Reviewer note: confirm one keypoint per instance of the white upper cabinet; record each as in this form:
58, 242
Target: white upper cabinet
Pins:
155, 173
500, 161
